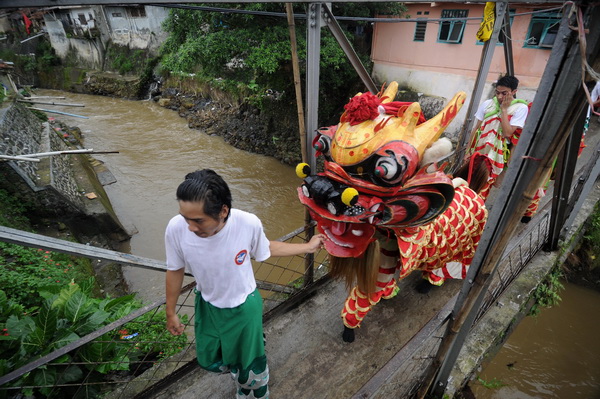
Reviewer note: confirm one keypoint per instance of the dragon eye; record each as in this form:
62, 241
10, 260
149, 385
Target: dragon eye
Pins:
322, 144
388, 170
385, 168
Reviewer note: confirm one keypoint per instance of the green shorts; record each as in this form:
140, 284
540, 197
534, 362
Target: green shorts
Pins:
230, 338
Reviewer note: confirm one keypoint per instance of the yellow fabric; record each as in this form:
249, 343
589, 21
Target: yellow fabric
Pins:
487, 25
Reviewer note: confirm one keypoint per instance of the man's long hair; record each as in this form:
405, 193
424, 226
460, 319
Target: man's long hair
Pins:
207, 187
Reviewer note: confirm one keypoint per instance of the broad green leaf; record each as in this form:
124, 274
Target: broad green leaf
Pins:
92, 352
20, 328
90, 323
5, 366
49, 296
71, 374
46, 321
66, 338
44, 376
115, 303
120, 363
76, 306
65, 294
37, 339
62, 359
87, 286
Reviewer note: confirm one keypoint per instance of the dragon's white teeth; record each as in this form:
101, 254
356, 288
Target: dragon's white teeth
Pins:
337, 242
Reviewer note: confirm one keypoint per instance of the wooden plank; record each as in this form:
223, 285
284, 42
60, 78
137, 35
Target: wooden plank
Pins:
33, 240
401, 358
25, 238
28, 101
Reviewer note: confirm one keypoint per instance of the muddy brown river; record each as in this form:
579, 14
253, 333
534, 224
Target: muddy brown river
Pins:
555, 355
156, 150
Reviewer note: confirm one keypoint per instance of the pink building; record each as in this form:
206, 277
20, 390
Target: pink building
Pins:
441, 58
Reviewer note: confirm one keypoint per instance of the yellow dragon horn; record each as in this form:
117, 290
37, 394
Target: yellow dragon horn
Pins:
390, 93
428, 132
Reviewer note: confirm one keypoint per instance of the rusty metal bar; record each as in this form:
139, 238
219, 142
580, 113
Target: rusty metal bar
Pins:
342, 40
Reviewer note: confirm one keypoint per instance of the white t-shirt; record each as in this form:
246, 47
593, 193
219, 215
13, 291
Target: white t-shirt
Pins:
519, 115
596, 92
220, 263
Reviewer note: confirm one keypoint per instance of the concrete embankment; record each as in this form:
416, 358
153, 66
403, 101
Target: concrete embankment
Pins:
65, 192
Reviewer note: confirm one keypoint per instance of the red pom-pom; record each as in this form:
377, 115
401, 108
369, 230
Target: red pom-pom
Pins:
362, 108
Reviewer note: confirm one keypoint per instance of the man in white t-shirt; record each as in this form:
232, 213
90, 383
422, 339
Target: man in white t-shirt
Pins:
215, 243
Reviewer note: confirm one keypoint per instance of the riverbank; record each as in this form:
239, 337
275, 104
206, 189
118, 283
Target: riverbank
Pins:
63, 194
267, 125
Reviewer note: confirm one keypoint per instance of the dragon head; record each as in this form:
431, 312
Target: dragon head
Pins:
372, 178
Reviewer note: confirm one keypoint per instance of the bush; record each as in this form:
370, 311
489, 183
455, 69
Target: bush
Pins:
52, 304
254, 49
591, 241
65, 317
25, 272
125, 60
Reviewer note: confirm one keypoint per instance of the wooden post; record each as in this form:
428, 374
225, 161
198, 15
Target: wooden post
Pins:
309, 260
296, 67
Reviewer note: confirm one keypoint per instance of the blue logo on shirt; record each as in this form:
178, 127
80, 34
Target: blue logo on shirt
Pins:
240, 257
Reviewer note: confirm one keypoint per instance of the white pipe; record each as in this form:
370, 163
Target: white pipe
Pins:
18, 158
48, 154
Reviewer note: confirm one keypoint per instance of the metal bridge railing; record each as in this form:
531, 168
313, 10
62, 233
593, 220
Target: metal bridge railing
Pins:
517, 255
79, 369
413, 360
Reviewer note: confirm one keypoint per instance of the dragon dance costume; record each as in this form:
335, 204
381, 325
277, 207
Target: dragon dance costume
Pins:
490, 141
451, 238
373, 193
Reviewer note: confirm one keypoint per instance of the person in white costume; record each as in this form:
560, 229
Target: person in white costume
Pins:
498, 126
215, 243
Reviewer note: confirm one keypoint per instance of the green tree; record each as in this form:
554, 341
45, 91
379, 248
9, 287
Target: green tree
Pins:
253, 51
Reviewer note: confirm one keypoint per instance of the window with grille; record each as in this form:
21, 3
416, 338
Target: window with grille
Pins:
543, 29
420, 29
452, 31
136, 12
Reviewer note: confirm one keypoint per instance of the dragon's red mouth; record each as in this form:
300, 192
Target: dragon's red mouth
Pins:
345, 240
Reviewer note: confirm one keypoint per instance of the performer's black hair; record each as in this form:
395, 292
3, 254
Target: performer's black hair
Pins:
508, 81
208, 187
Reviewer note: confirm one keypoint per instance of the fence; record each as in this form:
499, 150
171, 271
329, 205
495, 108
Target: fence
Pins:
128, 356
411, 363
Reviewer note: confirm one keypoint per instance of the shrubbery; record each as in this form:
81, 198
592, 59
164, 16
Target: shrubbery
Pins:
253, 51
49, 300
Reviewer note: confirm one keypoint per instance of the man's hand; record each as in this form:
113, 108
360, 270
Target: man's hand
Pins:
174, 325
279, 248
506, 100
316, 243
